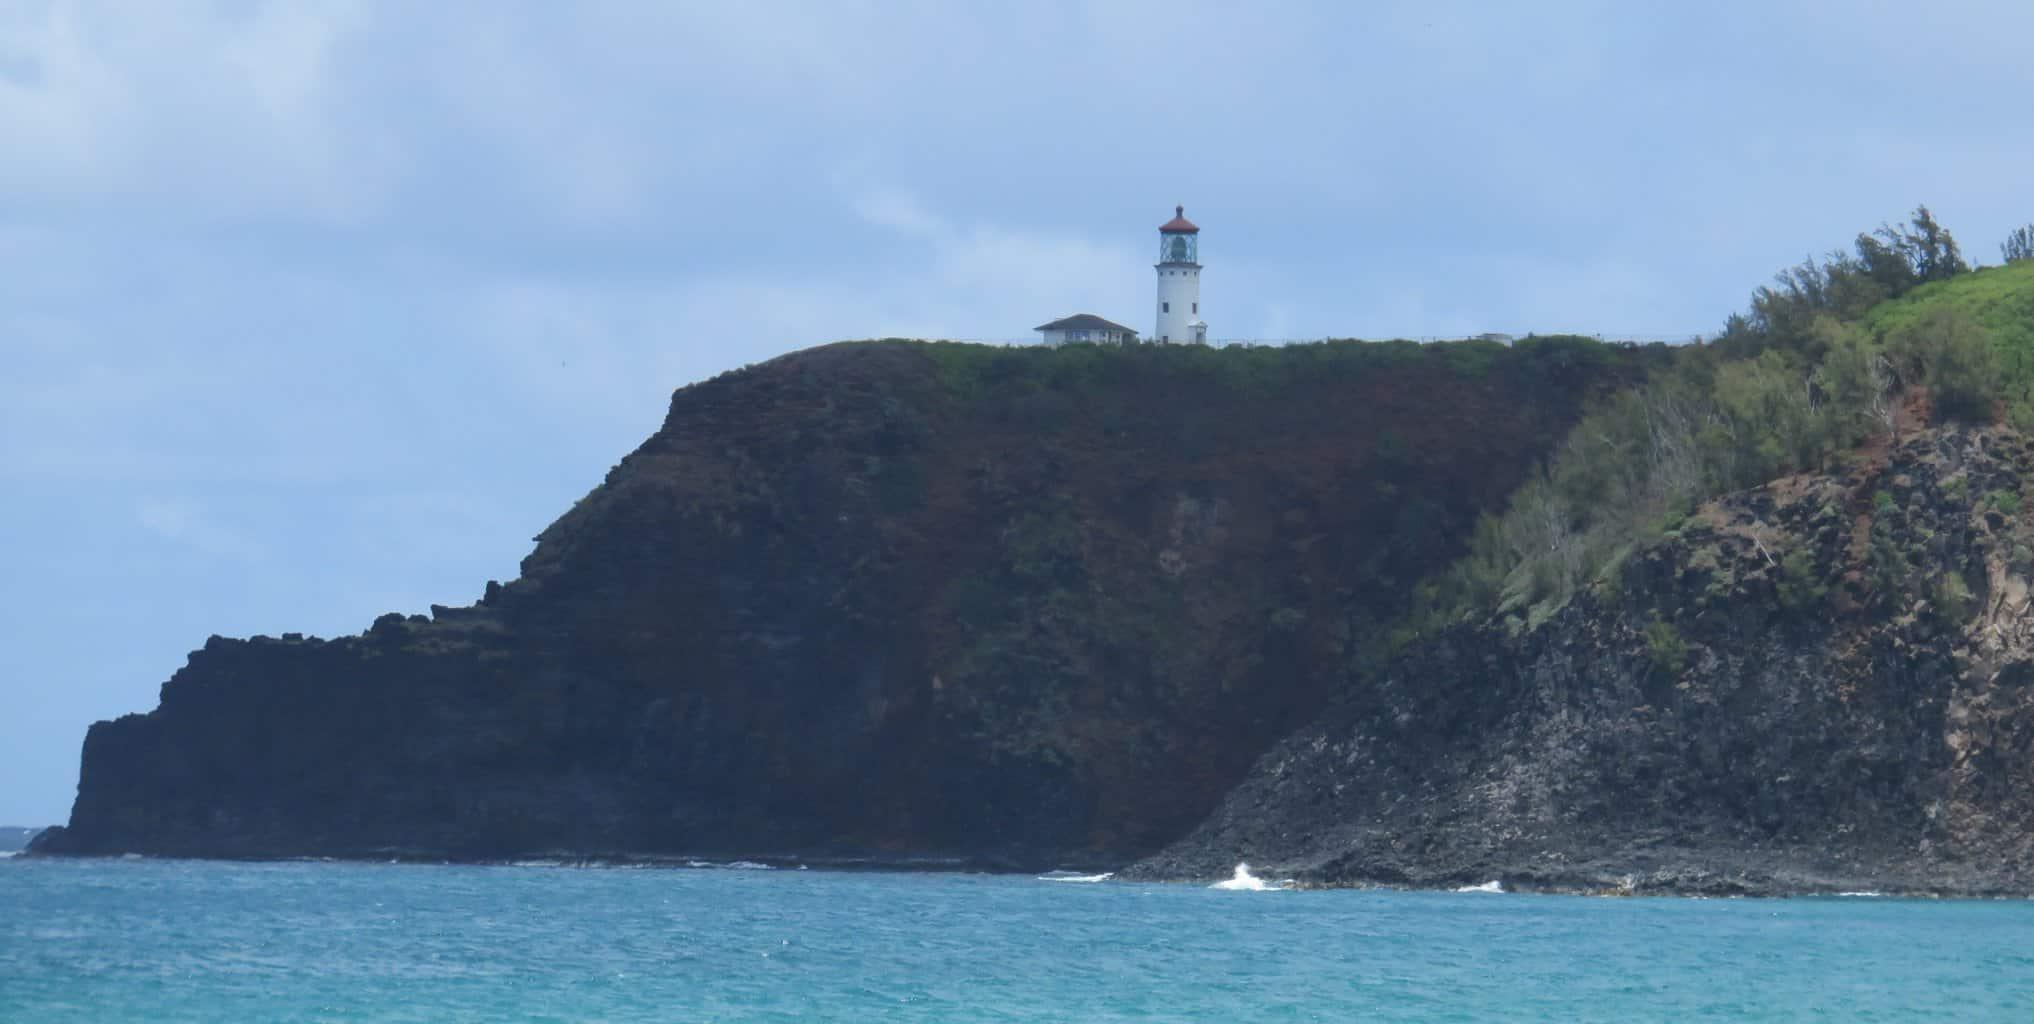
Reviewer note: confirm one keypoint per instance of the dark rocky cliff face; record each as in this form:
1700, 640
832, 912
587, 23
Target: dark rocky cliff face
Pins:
1823, 684
882, 600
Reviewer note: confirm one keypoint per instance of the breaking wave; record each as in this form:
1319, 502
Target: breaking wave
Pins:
1075, 876
1244, 881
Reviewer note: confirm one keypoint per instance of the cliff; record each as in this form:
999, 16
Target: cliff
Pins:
1823, 684
878, 601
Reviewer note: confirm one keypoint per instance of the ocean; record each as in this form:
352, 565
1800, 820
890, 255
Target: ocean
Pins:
158, 941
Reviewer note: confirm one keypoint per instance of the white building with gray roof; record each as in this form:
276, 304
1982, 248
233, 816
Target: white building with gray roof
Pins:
1085, 327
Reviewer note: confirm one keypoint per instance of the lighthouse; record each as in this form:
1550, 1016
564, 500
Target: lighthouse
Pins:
1179, 281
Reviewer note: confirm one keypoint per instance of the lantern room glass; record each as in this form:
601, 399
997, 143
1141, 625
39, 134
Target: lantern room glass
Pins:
1179, 247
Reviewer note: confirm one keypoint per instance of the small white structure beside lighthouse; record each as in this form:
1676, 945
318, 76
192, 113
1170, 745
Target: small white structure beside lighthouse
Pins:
1085, 327
1179, 282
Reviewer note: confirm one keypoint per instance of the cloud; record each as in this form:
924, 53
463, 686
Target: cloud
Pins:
994, 281
897, 210
187, 522
232, 110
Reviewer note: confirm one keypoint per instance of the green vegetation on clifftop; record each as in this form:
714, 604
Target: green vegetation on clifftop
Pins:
1858, 345
1997, 300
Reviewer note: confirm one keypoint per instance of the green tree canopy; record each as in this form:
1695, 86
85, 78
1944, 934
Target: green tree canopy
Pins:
2019, 245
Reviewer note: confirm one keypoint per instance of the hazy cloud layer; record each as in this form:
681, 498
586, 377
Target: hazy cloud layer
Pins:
311, 311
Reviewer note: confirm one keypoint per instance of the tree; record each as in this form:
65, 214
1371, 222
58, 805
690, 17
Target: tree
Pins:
1884, 264
1856, 384
1884, 261
1928, 247
1953, 354
2019, 245
1768, 418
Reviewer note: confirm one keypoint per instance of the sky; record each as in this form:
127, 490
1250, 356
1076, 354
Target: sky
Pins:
311, 311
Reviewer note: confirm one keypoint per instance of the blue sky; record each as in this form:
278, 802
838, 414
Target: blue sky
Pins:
312, 311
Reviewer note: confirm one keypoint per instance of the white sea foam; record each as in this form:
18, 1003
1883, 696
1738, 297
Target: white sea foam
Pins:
1491, 886
130, 856
733, 865
1075, 876
1864, 893
1244, 881
4, 854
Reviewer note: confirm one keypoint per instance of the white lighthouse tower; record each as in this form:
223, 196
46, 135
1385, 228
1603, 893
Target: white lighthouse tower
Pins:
1179, 281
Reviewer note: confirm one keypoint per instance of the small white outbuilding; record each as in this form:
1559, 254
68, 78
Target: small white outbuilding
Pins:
1085, 327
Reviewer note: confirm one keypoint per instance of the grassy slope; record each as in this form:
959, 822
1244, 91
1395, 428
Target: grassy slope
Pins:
2000, 298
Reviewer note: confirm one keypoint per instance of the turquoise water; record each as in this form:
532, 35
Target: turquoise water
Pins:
188, 941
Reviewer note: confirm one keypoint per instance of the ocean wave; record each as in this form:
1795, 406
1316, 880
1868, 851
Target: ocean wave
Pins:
1866, 893
733, 865
1244, 881
1075, 876
1491, 886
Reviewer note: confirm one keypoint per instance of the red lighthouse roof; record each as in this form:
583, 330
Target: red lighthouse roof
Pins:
1179, 224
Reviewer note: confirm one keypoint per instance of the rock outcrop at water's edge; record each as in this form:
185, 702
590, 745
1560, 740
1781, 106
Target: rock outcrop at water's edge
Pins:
877, 602
1823, 684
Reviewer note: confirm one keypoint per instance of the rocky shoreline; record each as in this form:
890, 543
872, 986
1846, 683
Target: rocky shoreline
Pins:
1723, 874
1826, 683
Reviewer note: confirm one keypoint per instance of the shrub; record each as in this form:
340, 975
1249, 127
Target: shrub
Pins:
1665, 648
1954, 602
1956, 488
1801, 586
1855, 381
1952, 354
1887, 560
